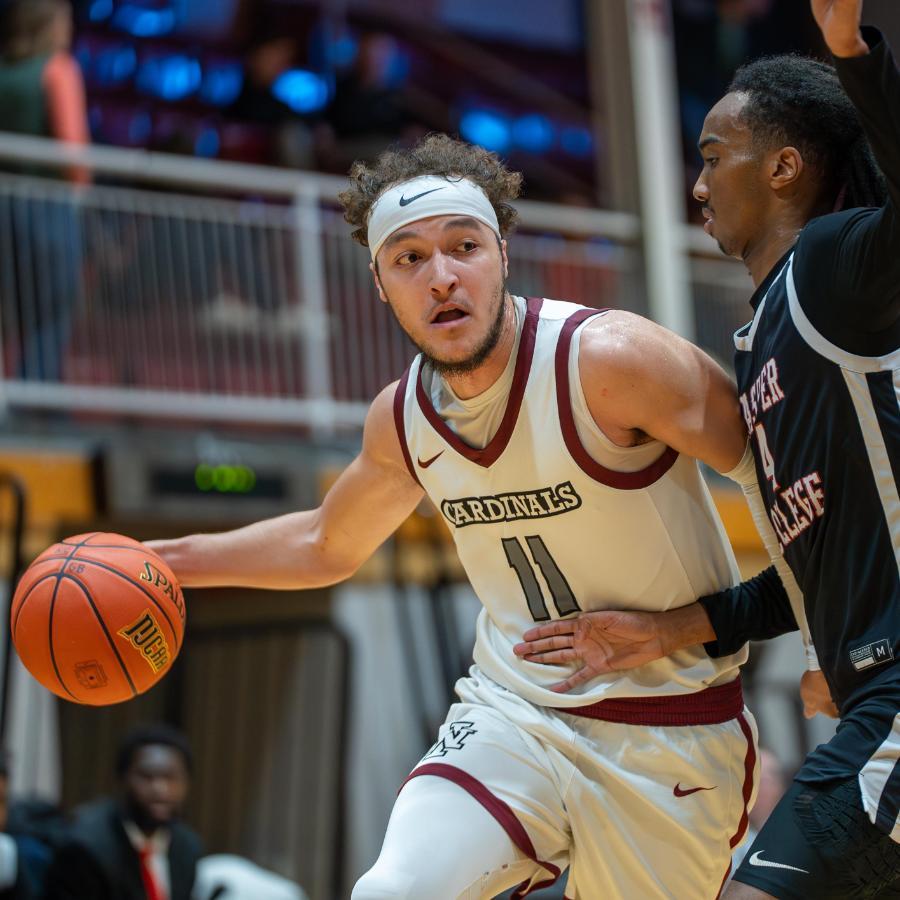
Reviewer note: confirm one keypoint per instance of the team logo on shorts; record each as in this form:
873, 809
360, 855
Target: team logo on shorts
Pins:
455, 738
145, 635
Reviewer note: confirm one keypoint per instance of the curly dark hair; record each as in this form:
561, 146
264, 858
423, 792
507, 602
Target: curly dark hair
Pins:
799, 101
435, 154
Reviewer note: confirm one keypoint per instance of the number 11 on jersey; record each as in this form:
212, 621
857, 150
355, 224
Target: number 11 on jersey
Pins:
563, 598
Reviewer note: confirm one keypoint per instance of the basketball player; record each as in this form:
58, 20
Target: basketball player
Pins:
560, 445
819, 380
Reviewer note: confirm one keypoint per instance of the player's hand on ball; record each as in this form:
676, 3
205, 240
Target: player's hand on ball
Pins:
815, 695
606, 641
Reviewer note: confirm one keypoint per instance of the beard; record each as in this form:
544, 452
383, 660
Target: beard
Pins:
482, 351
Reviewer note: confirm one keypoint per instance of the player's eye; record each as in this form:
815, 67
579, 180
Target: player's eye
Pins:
408, 258
710, 161
467, 246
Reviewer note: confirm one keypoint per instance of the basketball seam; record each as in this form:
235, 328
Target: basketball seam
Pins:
18, 610
139, 586
50, 639
90, 600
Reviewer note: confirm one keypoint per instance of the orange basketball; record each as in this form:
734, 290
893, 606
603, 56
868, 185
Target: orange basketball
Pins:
98, 618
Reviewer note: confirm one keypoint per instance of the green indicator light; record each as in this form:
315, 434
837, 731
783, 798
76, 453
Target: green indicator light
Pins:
203, 477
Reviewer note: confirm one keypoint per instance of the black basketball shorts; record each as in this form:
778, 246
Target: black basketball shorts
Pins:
819, 843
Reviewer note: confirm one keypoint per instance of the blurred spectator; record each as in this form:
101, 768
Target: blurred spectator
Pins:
369, 110
265, 63
42, 94
134, 847
226, 877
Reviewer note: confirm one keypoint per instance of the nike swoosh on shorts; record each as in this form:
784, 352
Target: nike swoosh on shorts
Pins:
756, 860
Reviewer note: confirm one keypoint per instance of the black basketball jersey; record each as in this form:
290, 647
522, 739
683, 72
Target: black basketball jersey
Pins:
825, 432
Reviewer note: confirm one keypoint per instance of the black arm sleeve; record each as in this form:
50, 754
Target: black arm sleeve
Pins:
847, 265
754, 610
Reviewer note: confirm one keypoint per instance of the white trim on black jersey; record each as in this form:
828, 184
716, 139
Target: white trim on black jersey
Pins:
876, 449
879, 788
824, 347
745, 341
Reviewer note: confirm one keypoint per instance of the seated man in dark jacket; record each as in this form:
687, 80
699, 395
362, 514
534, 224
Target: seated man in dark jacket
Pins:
133, 848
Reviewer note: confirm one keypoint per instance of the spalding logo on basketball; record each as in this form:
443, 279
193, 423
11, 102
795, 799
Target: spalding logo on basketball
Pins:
98, 618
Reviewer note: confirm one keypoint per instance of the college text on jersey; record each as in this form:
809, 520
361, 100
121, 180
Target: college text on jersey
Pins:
794, 506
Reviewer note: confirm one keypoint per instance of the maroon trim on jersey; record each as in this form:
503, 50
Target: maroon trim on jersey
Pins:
626, 481
399, 398
491, 453
500, 810
711, 706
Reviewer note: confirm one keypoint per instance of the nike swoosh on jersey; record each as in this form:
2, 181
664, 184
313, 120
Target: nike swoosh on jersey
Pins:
679, 791
426, 463
756, 860
405, 201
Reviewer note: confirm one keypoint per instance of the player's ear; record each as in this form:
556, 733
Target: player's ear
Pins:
374, 270
785, 168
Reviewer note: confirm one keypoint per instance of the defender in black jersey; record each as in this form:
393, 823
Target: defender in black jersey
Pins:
789, 187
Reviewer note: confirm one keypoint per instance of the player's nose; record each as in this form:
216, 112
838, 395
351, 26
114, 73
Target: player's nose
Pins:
443, 278
701, 190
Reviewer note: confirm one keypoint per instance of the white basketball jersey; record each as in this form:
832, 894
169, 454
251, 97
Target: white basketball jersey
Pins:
544, 529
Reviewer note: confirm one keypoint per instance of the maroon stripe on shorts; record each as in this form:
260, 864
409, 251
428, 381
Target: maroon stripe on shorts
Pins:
500, 810
749, 768
399, 405
624, 481
711, 706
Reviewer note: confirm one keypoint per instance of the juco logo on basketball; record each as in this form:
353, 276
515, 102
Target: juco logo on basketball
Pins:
145, 636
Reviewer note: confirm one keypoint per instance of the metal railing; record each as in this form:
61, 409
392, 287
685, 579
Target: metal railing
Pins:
221, 291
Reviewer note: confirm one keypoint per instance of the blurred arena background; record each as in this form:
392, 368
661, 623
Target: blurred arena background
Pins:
189, 341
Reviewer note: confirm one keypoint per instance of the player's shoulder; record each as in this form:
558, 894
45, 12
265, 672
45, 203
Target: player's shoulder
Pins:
381, 439
624, 342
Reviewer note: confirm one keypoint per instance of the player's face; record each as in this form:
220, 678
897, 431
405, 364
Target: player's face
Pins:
156, 785
445, 280
731, 187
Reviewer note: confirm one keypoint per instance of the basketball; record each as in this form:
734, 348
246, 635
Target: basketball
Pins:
97, 618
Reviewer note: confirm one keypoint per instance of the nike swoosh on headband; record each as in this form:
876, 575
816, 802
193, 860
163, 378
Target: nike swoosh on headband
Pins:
756, 860
405, 201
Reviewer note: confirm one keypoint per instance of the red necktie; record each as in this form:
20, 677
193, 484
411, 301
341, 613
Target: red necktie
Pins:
151, 885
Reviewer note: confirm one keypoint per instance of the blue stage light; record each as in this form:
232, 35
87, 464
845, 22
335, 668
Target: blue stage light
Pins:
342, 51
144, 22
302, 91
488, 129
577, 140
170, 77
115, 65
100, 10
534, 133
222, 83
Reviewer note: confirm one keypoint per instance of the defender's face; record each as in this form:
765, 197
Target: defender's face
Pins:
444, 279
731, 187
156, 785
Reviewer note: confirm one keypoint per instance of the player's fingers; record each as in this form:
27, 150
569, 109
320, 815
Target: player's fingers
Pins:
553, 657
558, 642
580, 677
550, 629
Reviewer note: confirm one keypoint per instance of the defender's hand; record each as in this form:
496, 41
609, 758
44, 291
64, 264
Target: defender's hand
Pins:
839, 21
816, 696
607, 641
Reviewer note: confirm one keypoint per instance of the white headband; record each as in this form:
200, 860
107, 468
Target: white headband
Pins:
428, 195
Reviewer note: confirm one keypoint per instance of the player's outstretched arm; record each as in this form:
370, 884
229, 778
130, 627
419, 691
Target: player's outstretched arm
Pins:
315, 548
